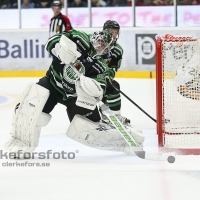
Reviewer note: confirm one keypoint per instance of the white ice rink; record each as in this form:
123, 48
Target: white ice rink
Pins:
94, 174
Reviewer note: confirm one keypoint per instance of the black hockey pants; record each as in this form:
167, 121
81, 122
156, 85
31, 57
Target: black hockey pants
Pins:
72, 108
112, 97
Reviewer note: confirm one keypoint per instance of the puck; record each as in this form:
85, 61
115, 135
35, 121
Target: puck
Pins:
171, 159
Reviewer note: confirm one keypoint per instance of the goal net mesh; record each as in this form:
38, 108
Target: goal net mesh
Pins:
180, 60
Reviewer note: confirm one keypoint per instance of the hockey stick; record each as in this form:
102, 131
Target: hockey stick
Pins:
131, 100
170, 157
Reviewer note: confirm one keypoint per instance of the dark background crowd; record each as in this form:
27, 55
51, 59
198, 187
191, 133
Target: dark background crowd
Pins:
9, 4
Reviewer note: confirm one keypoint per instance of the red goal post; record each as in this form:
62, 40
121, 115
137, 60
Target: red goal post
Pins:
178, 93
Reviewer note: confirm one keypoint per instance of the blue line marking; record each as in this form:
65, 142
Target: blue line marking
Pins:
3, 99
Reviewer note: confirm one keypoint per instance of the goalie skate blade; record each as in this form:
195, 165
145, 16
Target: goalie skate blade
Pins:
155, 156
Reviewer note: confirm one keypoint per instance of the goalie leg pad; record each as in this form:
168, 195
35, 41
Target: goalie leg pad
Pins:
97, 135
28, 119
136, 134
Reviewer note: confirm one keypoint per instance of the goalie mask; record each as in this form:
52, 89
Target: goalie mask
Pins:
113, 27
102, 41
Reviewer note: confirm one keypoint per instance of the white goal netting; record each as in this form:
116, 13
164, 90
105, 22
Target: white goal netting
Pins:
180, 60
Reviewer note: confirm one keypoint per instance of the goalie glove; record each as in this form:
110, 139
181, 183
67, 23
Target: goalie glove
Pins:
87, 89
66, 51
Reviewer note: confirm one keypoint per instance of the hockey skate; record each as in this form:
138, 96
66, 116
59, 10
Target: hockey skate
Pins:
125, 121
136, 134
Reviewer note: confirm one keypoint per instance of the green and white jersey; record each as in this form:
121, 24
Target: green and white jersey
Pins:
113, 59
63, 77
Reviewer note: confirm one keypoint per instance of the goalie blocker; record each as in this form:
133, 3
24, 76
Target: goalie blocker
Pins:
86, 95
66, 50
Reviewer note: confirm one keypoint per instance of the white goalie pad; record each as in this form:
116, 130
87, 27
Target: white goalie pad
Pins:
28, 119
101, 136
66, 50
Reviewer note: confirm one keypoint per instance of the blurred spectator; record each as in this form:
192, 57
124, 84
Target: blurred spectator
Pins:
5, 4
98, 3
78, 3
69, 2
43, 4
157, 2
185, 2
59, 22
195, 2
137, 3
113, 3
167, 3
14, 3
152, 3
27, 4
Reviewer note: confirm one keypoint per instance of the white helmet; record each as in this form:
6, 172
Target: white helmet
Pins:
102, 41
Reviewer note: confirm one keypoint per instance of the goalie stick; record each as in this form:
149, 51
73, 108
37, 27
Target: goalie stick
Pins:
170, 157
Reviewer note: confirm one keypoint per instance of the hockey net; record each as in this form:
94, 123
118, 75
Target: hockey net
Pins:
178, 93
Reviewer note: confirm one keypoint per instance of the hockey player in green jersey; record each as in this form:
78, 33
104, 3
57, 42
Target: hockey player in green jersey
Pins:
62, 75
113, 59
76, 77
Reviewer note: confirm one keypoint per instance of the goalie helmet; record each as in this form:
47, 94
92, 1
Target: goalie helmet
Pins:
102, 41
111, 24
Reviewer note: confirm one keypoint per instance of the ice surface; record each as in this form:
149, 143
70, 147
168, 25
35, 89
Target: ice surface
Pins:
94, 174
